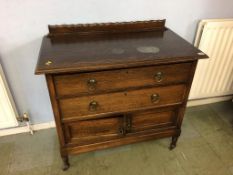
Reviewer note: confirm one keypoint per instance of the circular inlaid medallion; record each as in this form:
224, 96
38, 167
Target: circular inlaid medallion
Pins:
118, 50
148, 49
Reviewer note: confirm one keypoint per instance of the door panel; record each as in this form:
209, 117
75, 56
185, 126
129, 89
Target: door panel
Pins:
153, 119
94, 130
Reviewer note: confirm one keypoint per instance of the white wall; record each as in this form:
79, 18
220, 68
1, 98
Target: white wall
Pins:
24, 22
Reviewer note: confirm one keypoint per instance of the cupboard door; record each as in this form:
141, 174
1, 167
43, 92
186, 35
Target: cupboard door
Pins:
94, 130
152, 119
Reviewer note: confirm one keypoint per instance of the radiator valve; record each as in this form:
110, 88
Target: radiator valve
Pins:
25, 118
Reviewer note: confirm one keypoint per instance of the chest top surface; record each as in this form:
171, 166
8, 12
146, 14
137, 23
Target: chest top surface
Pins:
80, 48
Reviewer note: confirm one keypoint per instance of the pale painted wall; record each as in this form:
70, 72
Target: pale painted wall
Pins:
24, 22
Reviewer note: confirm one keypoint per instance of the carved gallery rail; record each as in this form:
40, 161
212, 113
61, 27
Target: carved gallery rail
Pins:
116, 83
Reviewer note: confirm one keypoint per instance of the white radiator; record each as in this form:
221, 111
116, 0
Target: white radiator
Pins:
214, 76
8, 112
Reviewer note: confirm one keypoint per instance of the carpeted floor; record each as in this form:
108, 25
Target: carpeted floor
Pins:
205, 147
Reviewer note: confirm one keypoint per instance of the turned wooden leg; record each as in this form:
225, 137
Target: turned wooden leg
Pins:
66, 163
173, 142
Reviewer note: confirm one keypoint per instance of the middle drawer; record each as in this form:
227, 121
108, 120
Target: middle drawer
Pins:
87, 106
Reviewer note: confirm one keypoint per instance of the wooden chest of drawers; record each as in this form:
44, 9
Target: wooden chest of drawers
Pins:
117, 83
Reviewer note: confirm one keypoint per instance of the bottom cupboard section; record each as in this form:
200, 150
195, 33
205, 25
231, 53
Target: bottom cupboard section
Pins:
97, 130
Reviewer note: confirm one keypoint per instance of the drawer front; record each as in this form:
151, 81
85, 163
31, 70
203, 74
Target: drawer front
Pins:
121, 101
152, 119
93, 131
74, 84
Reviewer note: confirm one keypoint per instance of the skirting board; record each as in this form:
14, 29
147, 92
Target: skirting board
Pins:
204, 101
36, 127
23, 129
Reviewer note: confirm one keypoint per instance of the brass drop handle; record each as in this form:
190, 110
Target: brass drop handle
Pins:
158, 76
92, 84
155, 98
93, 106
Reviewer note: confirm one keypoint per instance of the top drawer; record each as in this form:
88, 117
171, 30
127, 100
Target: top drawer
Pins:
74, 84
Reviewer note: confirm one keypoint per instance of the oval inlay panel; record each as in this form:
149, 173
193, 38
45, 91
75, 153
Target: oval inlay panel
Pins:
118, 51
148, 49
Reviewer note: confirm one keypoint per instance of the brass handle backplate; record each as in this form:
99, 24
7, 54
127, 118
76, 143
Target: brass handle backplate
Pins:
93, 106
122, 131
155, 98
92, 84
158, 76
128, 123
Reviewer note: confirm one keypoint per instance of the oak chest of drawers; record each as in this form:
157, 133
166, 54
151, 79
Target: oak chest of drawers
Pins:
116, 83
